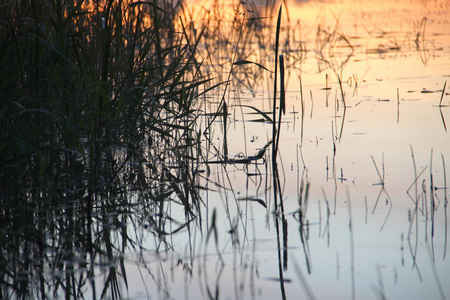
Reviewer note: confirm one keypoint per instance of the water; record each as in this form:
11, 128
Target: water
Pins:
375, 163
363, 236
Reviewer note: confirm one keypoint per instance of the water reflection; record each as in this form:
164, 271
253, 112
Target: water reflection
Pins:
173, 192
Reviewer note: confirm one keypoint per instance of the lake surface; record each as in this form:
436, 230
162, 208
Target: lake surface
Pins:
375, 224
376, 217
354, 205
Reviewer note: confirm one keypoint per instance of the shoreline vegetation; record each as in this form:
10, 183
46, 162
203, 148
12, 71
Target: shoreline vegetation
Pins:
98, 121
101, 114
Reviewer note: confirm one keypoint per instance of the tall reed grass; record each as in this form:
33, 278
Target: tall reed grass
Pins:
98, 114
100, 130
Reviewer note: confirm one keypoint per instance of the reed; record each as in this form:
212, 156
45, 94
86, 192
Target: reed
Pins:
442, 94
441, 105
98, 116
342, 92
352, 244
445, 206
282, 108
274, 130
382, 183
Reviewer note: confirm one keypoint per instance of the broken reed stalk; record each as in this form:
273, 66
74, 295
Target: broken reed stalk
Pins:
440, 106
442, 94
342, 92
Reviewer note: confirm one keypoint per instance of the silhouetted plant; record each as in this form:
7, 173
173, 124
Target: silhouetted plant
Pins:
97, 114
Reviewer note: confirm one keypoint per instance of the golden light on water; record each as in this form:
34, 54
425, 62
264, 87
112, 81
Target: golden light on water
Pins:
353, 205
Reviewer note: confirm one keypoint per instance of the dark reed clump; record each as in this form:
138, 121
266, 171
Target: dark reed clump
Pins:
97, 115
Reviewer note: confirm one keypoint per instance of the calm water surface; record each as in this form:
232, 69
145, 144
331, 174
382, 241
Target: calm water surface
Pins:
368, 162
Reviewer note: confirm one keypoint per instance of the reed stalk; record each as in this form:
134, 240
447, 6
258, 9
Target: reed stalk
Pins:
274, 130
